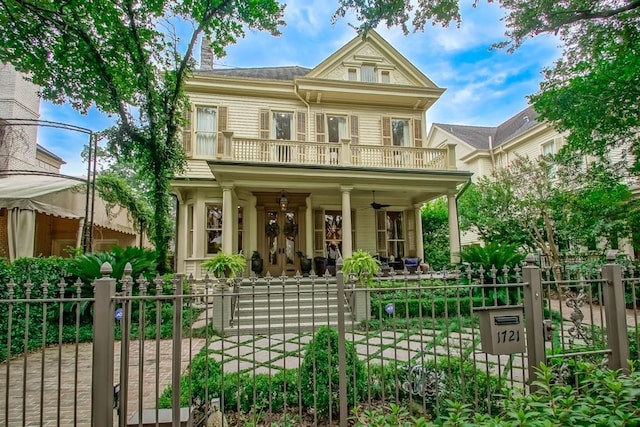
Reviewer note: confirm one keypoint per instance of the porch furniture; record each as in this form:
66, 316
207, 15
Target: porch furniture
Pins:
412, 264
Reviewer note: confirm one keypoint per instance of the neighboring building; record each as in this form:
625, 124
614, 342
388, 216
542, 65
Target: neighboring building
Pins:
42, 212
481, 149
287, 159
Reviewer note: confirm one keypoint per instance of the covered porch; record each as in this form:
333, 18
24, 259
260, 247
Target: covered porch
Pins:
286, 212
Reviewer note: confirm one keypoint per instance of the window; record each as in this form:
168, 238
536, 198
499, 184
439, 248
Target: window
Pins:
337, 128
206, 131
385, 77
282, 125
368, 73
548, 150
400, 132
352, 74
214, 229
390, 238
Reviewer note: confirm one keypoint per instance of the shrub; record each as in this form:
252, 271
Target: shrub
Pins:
319, 373
38, 271
424, 307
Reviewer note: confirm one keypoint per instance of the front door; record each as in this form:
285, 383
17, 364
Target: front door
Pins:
281, 240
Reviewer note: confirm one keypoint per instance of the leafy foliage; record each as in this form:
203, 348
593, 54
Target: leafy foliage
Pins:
492, 255
125, 59
363, 265
39, 271
554, 205
320, 370
435, 233
114, 189
228, 264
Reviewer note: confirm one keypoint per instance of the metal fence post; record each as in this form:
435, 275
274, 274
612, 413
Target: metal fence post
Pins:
615, 313
176, 372
103, 357
342, 347
534, 317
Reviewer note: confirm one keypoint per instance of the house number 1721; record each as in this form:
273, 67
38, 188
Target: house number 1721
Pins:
508, 336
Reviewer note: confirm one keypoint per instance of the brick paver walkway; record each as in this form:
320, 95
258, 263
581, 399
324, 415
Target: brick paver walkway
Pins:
74, 398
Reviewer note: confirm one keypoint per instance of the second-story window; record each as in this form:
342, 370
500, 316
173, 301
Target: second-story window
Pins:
337, 128
282, 127
206, 131
401, 132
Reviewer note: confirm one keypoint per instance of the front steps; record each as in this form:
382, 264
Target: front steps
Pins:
292, 307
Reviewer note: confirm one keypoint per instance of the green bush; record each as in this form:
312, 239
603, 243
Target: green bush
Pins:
38, 271
319, 373
424, 307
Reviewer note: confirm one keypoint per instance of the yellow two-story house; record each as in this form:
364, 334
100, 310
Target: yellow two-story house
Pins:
320, 162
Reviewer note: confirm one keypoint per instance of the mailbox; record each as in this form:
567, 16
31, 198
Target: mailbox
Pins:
502, 330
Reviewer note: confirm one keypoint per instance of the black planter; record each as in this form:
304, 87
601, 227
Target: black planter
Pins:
256, 266
305, 265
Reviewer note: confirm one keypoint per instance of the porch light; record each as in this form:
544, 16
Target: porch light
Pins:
283, 201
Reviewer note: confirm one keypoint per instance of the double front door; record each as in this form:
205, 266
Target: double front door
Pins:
282, 231
281, 235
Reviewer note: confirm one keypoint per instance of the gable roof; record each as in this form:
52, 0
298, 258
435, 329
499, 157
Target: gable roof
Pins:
259, 73
478, 136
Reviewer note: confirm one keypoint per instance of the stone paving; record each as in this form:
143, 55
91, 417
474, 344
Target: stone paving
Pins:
259, 354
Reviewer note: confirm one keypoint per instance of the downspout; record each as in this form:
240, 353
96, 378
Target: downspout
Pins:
295, 90
460, 193
493, 159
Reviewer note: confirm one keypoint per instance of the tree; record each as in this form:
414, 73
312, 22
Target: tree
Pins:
591, 91
435, 233
125, 57
550, 206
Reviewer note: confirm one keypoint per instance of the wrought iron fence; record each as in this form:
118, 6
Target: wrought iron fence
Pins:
301, 350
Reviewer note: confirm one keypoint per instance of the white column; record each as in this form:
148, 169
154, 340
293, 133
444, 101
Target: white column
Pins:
418, 227
199, 228
183, 235
347, 244
227, 218
309, 235
454, 230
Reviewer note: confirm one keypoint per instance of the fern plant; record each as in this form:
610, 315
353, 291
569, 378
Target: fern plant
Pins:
363, 265
224, 263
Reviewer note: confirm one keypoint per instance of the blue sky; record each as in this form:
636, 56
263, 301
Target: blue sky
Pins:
484, 87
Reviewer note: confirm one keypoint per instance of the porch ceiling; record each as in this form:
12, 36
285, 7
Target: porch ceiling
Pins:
416, 185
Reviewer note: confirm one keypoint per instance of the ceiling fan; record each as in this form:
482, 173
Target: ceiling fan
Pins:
375, 205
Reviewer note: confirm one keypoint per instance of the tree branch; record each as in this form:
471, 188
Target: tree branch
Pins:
588, 14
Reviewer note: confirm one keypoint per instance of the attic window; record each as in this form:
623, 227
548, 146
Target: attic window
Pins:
352, 74
368, 73
384, 77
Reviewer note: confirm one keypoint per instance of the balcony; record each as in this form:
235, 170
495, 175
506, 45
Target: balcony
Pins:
342, 154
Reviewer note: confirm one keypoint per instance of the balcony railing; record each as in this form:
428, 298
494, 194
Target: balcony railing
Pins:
337, 154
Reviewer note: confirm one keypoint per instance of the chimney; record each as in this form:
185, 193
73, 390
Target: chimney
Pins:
206, 54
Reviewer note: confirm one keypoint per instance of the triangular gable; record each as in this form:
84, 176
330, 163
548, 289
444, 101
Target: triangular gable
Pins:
438, 128
371, 50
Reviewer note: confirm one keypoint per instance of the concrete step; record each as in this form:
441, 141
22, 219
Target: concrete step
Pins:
275, 328
273, 310
289, 289
262, 301
289, 319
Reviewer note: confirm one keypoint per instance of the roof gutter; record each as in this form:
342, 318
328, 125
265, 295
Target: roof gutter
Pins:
463, 189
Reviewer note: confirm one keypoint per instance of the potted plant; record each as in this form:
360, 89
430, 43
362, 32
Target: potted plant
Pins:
305, 263
256, 262
363, 265
228, 264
